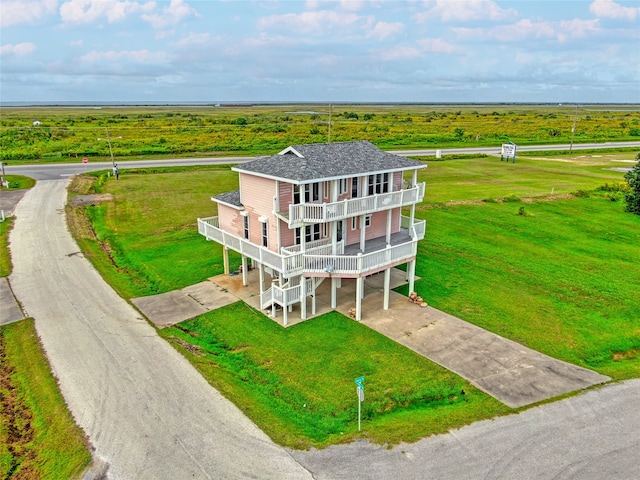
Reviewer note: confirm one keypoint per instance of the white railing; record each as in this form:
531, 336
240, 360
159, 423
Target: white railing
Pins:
284, 296
287, 265
360, 264
318, 259
325, 212
417, 230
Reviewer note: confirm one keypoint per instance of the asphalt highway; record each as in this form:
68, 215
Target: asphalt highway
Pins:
55, 171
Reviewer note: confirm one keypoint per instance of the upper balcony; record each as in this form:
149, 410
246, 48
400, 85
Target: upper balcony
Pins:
306, 213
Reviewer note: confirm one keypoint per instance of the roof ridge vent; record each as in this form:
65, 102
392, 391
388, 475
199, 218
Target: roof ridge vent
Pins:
291, 150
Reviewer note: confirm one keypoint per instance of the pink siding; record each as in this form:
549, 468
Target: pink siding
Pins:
378, 227
230, 220
397, 181
286, 196
287, 235
256, 194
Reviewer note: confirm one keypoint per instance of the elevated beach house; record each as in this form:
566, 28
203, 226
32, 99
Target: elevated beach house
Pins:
321, 212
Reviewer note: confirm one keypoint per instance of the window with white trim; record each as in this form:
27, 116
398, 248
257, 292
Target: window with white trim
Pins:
342, 186
265, 235
245, 224
378, 183
311, 192
354, 187
354, 223
296, 194
311, 233
367, 221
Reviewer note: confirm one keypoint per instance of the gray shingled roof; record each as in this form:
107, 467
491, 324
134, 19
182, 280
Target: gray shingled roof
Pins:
230, 198
328, 160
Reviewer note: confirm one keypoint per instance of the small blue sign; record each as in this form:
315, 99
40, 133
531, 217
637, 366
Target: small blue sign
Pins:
360, 382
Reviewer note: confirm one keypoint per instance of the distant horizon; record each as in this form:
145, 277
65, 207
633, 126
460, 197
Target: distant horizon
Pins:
249, 103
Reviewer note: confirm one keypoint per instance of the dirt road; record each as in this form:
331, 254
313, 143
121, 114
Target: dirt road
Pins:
147, 412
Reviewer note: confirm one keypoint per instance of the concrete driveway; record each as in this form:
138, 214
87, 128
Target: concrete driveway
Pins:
510, 372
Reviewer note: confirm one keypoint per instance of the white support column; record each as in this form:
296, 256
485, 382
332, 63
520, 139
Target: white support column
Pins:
412, 216
313, 300
387, 287
359, 293
362, 233
303, 298
389, 218
411, 270
334, 292
261, 271
285, 309
245, 281
225, 260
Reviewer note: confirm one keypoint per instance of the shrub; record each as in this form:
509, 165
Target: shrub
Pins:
632, 197
581, 193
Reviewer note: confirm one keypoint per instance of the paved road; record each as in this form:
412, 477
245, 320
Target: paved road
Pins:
594, 436
55, 171
148, 413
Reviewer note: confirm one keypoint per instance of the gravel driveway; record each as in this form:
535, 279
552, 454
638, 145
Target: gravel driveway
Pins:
146, 410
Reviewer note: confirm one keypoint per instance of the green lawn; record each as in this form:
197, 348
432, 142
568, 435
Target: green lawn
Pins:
488, 177
5, 257
297, 384
38, 436
562, 279
150, 229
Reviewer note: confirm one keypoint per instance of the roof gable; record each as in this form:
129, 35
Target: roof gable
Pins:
304, 163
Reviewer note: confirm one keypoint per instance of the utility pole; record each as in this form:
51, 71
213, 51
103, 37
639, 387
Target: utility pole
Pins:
573, 129
330, 115
113, 163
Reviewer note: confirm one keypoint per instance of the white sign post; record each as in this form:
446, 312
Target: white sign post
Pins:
360, 392
509, 151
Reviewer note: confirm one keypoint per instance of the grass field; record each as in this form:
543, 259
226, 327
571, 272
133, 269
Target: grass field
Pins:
555, 272
66, 134
298, 383
5, 257
38, 437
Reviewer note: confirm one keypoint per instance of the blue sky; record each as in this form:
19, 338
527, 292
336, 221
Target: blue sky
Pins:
320, 51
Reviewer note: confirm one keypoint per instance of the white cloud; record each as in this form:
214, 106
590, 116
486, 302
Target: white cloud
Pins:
76, 43
18, 49
611, 9
525, 29
194, 39
17, 13
435, 45
313, 22
464, 10
384, 30
171, 15
88, 11
136, 56
401, 52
